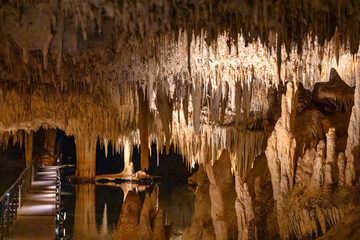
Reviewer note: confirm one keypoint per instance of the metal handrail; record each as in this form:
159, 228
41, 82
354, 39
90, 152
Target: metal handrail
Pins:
11, 200
17, 180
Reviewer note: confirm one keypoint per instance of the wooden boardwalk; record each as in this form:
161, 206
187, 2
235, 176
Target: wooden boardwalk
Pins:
36, 217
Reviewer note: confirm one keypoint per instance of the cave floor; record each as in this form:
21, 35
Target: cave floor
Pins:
36, 218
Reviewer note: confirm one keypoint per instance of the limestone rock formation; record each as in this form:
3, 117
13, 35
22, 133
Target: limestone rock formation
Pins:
327, 93
201, 222
244, 209
207, 79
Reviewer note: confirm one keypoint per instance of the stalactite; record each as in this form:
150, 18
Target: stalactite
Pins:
165, 108
127, 154
144, 129
196, 102
28, 147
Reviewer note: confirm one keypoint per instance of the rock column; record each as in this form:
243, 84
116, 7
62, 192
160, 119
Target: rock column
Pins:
49, 142
144, 129
85, 157
28, 147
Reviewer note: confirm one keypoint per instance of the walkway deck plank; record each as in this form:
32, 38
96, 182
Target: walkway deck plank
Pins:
36, 218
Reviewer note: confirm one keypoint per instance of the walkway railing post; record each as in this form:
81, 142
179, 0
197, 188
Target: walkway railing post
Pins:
11, 200
7, 213
2, 229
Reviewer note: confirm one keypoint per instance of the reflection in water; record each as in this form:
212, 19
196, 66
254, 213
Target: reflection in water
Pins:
100, 214
84, 221
141, 223
178, 206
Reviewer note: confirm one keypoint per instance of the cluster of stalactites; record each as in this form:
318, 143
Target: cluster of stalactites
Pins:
185, 78
291, 21
17, 137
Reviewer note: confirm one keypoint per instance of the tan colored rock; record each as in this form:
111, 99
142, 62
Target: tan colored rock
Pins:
341, 166
353, 140
128, 224
330, 156
49, 141
84, 219
85, 157
281, 147
201, 222
244, 209
28, 147
144, 129
158, 226
334, 94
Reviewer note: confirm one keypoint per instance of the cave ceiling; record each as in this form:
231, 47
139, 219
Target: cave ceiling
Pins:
203, 67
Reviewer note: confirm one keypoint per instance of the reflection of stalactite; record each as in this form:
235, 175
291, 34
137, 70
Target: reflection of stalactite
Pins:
136, 222
84, 220
127, 227
104, 227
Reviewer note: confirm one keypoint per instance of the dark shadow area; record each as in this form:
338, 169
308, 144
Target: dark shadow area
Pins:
12, 162
112, 163
65, 145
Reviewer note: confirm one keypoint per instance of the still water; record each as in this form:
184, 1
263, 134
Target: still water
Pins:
92, 210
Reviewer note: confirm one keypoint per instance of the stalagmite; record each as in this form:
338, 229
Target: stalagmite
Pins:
144, 129
318, 174
222, 196
201, 222
341, 165
28, 147
127, 154
244, 209
217, 206
281, 147
353, 140
330, 156
196, 77
85, 157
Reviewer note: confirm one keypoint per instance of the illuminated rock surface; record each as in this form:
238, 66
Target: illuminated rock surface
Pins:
266, 91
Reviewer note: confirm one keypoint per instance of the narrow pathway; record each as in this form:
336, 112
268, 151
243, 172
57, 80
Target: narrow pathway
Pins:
36, 217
